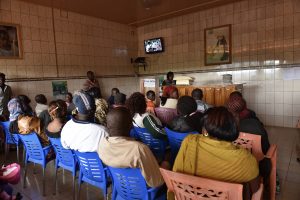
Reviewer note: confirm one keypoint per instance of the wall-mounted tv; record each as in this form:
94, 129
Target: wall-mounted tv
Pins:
154, 45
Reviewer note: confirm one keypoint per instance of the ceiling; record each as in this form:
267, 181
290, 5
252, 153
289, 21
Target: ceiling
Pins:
132, 12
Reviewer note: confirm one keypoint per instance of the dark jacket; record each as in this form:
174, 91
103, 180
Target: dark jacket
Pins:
184, 124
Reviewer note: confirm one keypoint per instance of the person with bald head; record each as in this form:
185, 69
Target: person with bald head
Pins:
121, 151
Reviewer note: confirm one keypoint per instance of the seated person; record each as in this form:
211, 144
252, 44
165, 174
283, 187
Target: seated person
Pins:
197, 94
101, 105
58, 113
25, 103
247, 122
150, 101
120, 100
70, 104
111, 100
41, 104
81, 133
137, 107
24, 123
189, 120
119, 150
171, 101
212, 154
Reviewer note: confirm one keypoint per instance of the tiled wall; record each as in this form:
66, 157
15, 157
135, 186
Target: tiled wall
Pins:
83, 43
265, 34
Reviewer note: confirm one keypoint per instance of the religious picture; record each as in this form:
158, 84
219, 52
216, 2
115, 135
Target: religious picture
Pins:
218, 45
10, 44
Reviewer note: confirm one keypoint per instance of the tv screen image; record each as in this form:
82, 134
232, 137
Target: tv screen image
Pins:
154, 45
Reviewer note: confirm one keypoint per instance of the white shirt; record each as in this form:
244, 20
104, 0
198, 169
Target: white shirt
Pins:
170, 103
40, 108
138, 119
81, 136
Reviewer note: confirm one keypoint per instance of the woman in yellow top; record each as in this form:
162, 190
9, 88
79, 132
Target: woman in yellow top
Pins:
212, 154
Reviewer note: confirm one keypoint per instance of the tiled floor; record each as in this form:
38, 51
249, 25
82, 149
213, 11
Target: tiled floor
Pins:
288, 170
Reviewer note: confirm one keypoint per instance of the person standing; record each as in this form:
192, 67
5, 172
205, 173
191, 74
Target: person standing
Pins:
5, 96
91, 81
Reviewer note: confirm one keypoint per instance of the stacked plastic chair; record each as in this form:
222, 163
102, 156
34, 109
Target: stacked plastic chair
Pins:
129, 184
165, 115
65, 159
92, 171
35, 153
10, 139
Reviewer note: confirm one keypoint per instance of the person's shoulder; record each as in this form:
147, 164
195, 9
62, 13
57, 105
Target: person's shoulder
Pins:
192, 138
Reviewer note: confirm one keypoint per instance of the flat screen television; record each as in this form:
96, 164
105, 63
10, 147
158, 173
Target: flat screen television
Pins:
154, 45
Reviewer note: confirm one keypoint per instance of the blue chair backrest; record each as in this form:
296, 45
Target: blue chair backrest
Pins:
9, 139
129, 183
65, 157
157, 146
91, 166
134, 134
175, 140
33, 146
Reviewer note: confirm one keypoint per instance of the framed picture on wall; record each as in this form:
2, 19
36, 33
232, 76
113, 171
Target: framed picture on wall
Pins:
217, 41
10, 41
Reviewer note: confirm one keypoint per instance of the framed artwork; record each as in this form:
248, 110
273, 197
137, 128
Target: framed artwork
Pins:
10, 41
217, 41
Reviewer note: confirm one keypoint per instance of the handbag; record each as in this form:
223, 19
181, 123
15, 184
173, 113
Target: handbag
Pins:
11, 173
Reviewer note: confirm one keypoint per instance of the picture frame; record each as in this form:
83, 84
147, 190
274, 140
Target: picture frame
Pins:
217, 45
10, 41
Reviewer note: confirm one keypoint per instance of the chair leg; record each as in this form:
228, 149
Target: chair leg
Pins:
25, 173
43, 181
5, 152
74, 187
55, 182
18, 159
79, 187
34, 168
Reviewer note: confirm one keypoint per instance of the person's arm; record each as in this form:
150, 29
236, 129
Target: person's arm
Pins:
149, 167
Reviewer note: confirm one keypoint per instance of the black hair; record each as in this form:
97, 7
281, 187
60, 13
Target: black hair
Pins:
186, 105
170, 74
2, 75
58, 109
120, 99
116, 89
40, 98
25, 104
221, 124
235, 94
197, 94
94, 92
136, 103
150, 93
89, 72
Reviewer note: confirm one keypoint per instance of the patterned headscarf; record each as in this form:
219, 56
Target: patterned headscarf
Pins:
101, 111
15, 109
84, 103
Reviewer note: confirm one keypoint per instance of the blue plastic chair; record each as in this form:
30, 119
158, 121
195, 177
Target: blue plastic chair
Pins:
129, 184
92, 171
134, 134
175, 140
157, 146
35, 153
10, 139
66, 159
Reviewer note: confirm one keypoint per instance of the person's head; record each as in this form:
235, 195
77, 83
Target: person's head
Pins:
236, 104
120, 99
170, 76
114, 91
235, 94
25, 104
174, 94
15, 109
150, 95
41, 99
2, 79
94, 92
119, 122
197, 94
220, 124
85, 106
4, 40
186, 105
58, 109
90, 75
136, 103
69, 97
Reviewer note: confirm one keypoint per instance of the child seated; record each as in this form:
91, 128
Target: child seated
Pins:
41, 104
150, 101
